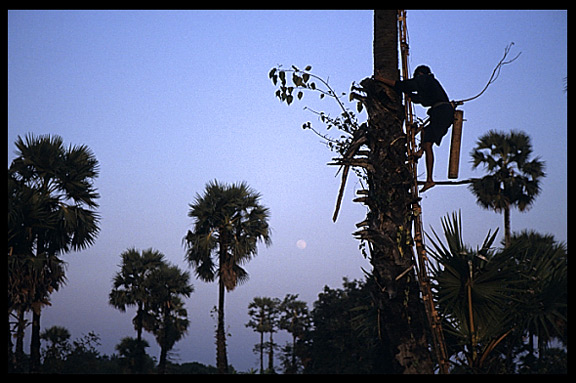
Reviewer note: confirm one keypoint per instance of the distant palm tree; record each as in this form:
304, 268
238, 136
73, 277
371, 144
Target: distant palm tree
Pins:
229, 221
264, 313
129, 286
56, 352
512, 180
130, 351
51, 211
167, 319
543, 310
294, 318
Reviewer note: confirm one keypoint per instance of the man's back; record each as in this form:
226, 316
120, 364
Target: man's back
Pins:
423, 89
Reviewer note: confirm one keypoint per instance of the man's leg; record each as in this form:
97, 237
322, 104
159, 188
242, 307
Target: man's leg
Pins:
427, 147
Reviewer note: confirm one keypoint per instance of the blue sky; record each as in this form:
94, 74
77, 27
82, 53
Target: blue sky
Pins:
169, 100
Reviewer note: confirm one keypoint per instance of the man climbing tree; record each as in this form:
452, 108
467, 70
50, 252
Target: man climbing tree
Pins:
378, 151
424, 89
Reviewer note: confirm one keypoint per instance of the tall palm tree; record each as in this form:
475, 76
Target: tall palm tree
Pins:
513, 180
229, 221
52, 202
401, 312
168, 319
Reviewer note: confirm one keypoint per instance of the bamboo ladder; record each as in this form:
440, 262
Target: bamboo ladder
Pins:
423, 280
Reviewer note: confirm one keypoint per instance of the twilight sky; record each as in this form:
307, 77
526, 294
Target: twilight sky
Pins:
169, 100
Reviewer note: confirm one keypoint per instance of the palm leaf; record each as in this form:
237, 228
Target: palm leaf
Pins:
458, 267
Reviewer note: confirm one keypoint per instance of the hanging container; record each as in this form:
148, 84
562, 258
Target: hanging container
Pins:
454, 163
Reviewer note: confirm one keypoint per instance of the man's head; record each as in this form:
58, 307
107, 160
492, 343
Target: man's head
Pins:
422, 70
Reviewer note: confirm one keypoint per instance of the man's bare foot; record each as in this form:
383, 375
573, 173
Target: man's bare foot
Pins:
427, 185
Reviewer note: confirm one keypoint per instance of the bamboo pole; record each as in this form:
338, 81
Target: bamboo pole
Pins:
420, 261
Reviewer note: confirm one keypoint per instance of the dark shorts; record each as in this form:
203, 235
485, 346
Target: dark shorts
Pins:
441, 118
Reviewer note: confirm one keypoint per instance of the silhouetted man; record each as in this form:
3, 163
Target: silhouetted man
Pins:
424, 89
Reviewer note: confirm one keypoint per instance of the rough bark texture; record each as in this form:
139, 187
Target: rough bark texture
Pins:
388, 223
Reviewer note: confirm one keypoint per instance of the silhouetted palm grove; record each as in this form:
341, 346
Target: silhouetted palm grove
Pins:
504, 308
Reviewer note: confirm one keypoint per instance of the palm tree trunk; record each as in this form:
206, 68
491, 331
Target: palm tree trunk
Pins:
164, 343
221, 357
388, 219
11, 361
293, 367
271, 355
36, 310
162, 362
19, 353
139, 319
140, 353
35, 342
385, 44
262, 352
507, 233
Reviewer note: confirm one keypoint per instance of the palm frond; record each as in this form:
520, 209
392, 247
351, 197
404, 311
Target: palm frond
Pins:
467, 279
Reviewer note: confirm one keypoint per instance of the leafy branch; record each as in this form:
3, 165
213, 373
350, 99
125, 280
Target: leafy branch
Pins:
302, 81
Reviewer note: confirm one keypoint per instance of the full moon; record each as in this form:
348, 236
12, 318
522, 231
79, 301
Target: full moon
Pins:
301, 244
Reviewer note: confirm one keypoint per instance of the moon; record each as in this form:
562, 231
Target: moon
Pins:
301, 244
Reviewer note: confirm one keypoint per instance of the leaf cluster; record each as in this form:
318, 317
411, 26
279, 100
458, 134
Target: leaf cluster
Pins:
51, 196
294, 82
299, 81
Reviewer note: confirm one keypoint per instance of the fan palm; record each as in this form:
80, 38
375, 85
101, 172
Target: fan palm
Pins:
51, 211
129, 283
473, 289
133, 358
512, 180
168, 319
543, 265
229, 221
